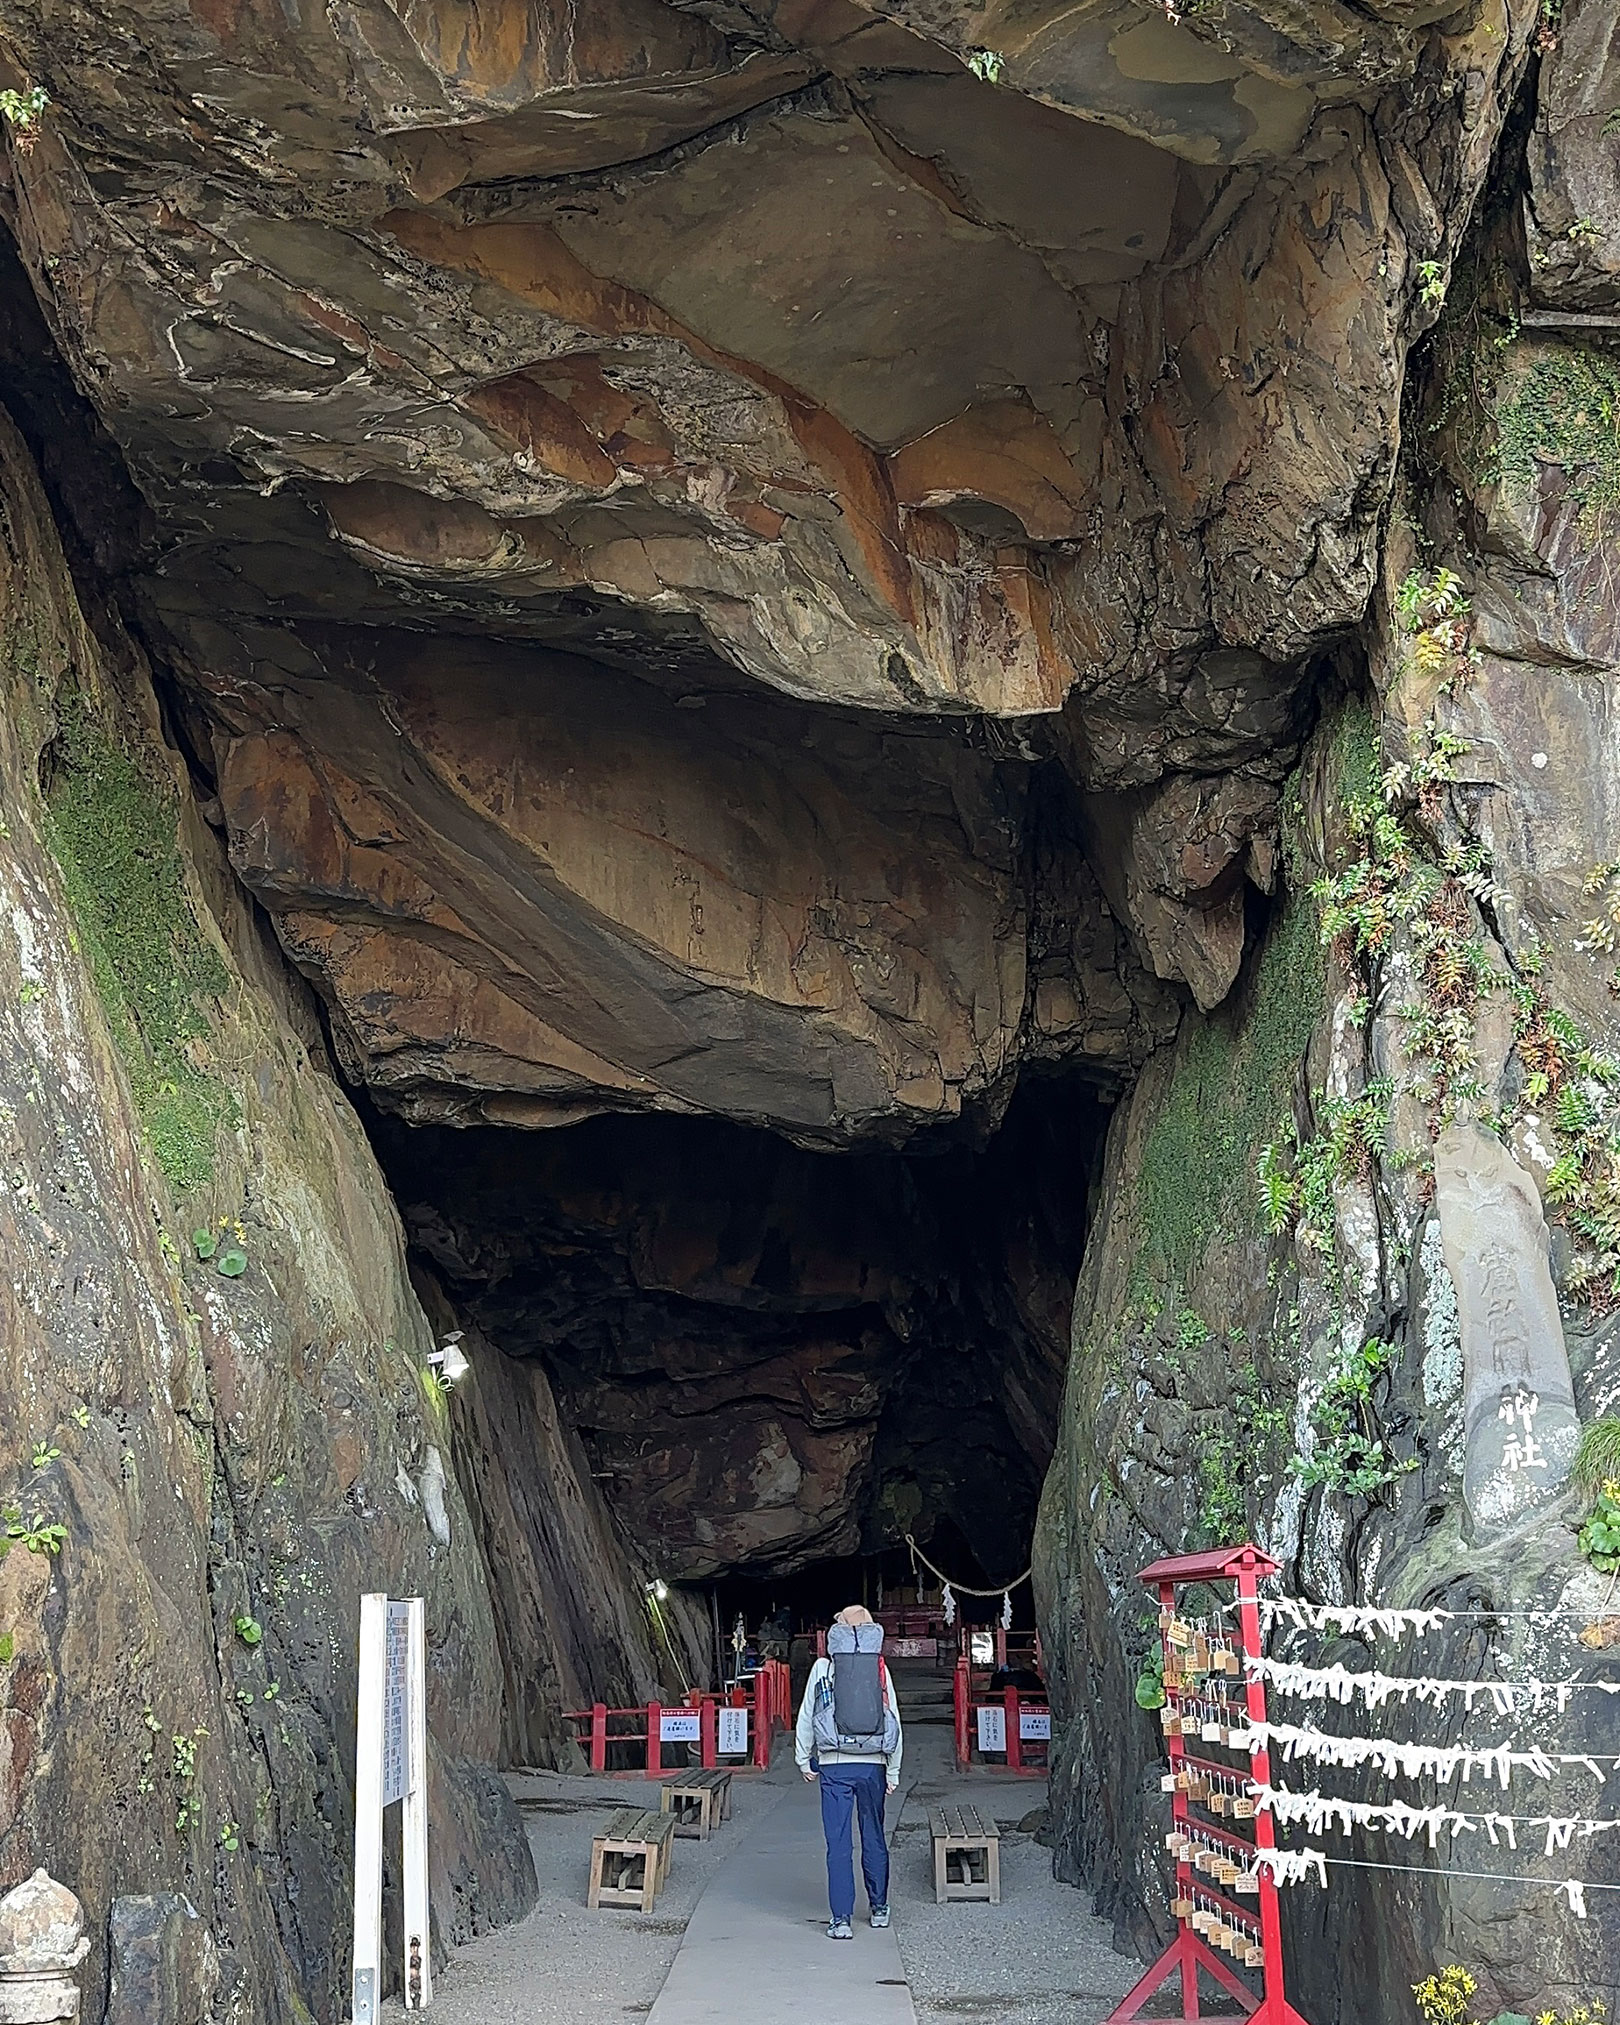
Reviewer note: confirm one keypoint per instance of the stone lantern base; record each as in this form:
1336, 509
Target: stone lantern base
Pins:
37, 1997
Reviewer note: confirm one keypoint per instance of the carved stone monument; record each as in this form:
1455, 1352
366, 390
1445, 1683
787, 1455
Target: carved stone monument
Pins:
41, 1946
1519, 1418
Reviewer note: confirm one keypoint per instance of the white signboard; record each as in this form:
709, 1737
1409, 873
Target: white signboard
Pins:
992, 1729
732, 1740
390, 1764
680, 1726
1034, 1723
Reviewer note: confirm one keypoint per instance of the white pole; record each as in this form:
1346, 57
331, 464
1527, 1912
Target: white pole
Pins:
368, 1809
418, 1939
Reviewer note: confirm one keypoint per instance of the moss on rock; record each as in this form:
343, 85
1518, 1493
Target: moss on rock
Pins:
1233, 1082
114, 834
1560, 404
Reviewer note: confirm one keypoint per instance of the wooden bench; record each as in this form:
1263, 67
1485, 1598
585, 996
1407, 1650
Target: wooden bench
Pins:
970, 1846
630, 1859
699, 1801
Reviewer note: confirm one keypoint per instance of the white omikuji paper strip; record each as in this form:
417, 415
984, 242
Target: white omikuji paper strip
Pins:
1339, 1684
1318, 1811
1295, 1866
1413, 1761
1355, 1617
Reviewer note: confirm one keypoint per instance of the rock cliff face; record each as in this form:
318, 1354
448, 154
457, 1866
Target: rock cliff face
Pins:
735, 618
205, 1460
1413, 1084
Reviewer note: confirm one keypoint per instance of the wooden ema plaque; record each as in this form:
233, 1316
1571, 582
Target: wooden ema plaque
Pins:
1209, 1696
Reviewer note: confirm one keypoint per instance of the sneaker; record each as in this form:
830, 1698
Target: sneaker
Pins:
880, 1915
840, 1930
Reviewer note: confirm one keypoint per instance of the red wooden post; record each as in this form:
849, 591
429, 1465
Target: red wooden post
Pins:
599, 1737
762, 1722
1189, 1952
655, 1741
1015, 1741
707, 1728
1001, 1646
960, 1697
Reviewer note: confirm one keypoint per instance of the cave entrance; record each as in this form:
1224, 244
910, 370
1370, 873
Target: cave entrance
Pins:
763, 1366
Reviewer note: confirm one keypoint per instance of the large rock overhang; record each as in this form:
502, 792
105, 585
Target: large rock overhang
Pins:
1020, 398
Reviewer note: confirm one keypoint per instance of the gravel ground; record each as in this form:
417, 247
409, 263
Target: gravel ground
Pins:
563, 1965
1038, 1958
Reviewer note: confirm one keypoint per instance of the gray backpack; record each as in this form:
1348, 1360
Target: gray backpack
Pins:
856, 1715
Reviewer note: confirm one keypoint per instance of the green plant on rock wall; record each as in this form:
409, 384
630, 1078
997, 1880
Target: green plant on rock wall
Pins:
1600, 1535
1149, 1690
1447, 1998
22, 112
1238, 1456
1597, 1459
1350, 1453
39, 1533
1297, 1175
183, 1771
1575, 1090
1563, 408
1602, 932
115, 836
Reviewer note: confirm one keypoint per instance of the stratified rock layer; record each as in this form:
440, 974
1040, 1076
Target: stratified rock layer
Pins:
1033, 399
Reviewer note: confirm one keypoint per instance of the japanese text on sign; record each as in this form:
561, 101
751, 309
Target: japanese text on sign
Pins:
396, 1706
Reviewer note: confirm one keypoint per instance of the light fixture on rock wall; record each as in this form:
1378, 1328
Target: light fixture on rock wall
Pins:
449, 1360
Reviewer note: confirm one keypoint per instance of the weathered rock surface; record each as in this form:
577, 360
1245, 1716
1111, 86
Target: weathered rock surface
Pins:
1032, 402
530, 888
41, 1926
232, 1456
164, 1964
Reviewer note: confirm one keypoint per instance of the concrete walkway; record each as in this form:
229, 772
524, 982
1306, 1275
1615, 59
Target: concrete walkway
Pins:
756, 1951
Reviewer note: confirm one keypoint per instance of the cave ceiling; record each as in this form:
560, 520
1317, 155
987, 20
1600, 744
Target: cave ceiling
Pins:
746, 559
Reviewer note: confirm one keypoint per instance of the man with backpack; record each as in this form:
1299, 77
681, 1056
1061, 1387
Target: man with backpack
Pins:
848, 1735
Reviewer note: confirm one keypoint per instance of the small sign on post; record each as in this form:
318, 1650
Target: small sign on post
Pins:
732, 1738
390, 1766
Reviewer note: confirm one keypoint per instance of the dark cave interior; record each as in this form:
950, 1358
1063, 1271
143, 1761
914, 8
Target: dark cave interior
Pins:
779, 1362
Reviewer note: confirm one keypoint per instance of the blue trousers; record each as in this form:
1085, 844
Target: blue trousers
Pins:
857, 1790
